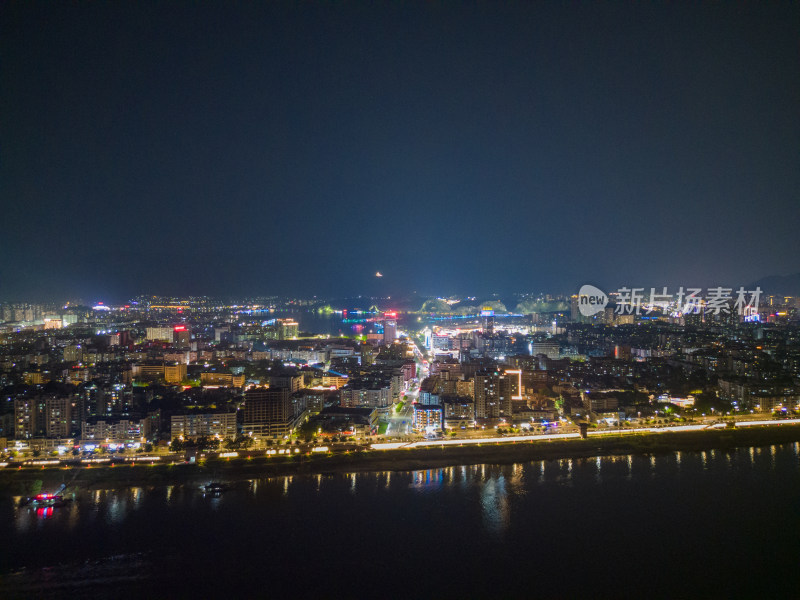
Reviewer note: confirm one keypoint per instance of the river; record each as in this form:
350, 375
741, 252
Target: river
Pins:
682, 524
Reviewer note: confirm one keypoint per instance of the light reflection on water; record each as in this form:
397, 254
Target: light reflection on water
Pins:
498, 489
428, 479
494, 505
517, 479
524, 518
136, 496
116, 508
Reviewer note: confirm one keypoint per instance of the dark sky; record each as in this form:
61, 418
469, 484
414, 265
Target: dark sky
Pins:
298, 148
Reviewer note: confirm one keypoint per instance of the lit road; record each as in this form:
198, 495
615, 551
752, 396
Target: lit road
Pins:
563, 436
400, 422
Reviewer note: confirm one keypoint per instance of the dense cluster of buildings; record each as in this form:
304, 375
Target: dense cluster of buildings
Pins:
158, 369
484, 373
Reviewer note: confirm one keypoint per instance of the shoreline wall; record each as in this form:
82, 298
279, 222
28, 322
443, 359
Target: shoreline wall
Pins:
19, 481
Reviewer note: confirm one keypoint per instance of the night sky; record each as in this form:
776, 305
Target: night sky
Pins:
298, 148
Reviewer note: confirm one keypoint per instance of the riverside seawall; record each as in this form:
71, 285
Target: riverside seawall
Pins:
19, 481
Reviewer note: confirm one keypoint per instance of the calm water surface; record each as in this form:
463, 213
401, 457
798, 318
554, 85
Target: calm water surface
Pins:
711, 524
335, 324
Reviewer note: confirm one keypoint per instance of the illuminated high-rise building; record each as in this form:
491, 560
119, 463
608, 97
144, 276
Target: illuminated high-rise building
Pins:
493, 393
488, 320
160, 334
287, 329
219, 424
574, 310
26, 417
390, 327
181, 335
174, 373
550, 348
58, 417
267, 412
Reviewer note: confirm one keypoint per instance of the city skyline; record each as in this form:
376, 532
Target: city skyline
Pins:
775, 286
301, 149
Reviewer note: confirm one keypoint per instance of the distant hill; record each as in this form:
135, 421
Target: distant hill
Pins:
435, 305
786, 285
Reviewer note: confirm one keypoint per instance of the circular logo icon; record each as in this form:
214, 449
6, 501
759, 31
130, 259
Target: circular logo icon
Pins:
591, 300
